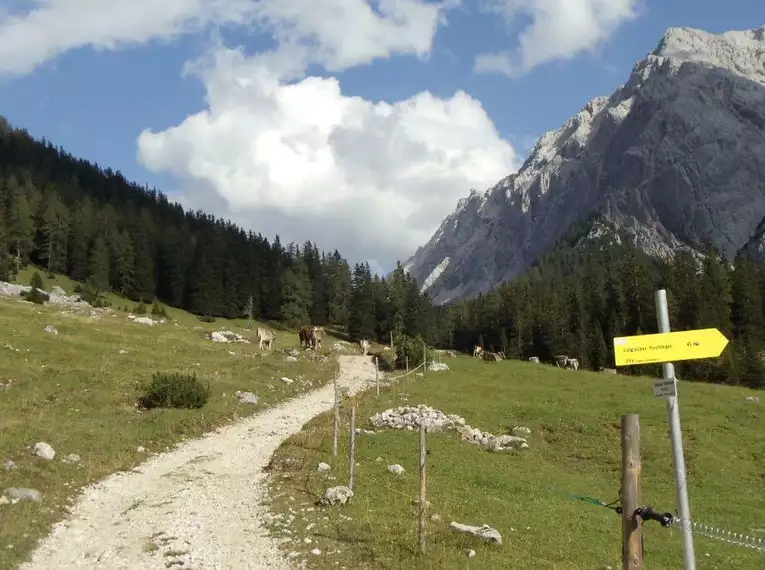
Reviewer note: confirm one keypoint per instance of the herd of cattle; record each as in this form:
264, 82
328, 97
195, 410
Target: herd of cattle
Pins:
561, 360
310, 337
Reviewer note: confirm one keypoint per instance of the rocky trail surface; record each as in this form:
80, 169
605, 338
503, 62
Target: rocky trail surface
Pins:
199, 506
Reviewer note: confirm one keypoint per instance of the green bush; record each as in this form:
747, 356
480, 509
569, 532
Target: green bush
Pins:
37, 281
158, 310
92, 296
386, 360
139, 309
36, 296
206, 318
406, 346
174, 391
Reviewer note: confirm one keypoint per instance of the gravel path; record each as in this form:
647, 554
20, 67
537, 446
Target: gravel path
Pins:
198, 506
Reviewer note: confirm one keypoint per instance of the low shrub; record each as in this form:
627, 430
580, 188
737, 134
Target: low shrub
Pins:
386, 360
37, 281
158, 310
139, 309
174, 391
36, 295
411, 348
206, 318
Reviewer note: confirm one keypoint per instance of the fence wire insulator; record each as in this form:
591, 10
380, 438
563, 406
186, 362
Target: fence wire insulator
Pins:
728, 536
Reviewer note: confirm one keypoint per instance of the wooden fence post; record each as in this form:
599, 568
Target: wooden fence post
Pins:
407, 365
336, 423
424, 358
632, 533
377, 377
352, 453
423, 487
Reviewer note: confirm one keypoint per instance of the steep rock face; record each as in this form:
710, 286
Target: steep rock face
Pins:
675, 157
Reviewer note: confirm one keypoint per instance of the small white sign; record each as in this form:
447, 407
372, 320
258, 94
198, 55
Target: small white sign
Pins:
665, 388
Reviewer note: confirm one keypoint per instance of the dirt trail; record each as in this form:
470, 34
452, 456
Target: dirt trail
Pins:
198, 506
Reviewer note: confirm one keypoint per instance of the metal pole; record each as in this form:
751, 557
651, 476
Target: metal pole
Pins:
673, 408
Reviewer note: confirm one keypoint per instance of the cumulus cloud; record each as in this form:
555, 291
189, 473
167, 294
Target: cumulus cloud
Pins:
559, 30
334, 33
302, 159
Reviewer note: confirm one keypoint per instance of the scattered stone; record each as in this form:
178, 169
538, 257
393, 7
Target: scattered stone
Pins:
145, 320
23, 494
518, 430
56, 290
287, 380
227, 336
378, 460
291, 359
339, 495
4, 500
72, 458
50, 329
6, 385
323, 467
9, 465
753, 399
123, 351
140, 449
410, 417
469, 552
396, 469
316, 551
294, 353
435, 517
437, 366
483, 531
246, 397
293, 554
44, 450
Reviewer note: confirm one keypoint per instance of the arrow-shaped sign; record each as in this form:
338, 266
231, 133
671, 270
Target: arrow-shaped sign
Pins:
668, 347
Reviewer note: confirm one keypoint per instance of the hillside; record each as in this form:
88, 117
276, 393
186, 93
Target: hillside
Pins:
75, 218
76, 387
673, 158
528, 495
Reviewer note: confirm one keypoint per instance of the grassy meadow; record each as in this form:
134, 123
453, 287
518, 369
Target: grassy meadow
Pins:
77, 391
574, 448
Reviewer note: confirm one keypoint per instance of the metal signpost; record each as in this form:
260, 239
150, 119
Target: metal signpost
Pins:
664, 348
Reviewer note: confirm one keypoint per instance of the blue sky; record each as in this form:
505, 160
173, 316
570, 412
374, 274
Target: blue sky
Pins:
376, 202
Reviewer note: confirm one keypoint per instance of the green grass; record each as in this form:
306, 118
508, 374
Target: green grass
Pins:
76, 392
574, 447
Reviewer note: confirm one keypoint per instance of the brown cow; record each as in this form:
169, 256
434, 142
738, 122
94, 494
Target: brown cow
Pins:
305, 336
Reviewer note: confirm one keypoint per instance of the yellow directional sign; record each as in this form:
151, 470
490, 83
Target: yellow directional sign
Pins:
668, 347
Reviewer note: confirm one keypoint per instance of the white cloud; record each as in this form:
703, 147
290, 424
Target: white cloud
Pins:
334, 33
559, 30
373, 179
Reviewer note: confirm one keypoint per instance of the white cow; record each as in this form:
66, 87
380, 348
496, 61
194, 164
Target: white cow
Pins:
265, 337
534, 359
364, 347
573, 363
317, 333
477, 350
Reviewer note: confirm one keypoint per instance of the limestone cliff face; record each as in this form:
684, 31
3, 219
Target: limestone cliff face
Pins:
675, 157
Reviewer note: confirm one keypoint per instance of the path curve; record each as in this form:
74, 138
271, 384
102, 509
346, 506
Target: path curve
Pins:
198, 506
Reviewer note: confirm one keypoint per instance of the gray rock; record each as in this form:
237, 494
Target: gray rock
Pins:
44, 450
655, 160
323, 467
9, 465
23, 494
71, 458
396, 469
339, 495
247, 397
484, 531
50, 329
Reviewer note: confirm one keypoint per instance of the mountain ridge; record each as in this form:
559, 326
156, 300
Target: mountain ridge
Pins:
679, 142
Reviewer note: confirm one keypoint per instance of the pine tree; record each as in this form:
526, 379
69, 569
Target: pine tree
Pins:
296, 302
54, 230
125, 264
21, 226
99, 265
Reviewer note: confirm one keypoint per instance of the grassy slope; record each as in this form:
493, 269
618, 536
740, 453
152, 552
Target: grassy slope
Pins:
77, 393
575, 446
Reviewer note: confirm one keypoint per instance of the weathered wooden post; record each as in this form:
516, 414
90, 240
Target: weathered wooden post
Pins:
424, 358
377, 376
352, 452
632, 532
336, 423
407, 366
423, 487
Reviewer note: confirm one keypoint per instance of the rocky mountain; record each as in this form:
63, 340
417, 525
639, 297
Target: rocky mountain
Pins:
675, 158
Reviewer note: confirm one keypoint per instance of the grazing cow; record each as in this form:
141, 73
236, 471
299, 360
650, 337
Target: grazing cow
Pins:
265, 337
364, 344
477, 350
561, 360
501, 354
490, 356
534, 359
305, 336
573, 364
317, 333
